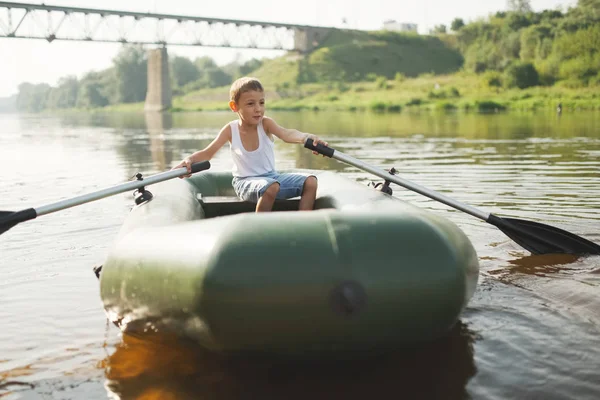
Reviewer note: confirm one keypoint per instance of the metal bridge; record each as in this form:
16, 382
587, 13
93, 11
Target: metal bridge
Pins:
39, 21
35, 21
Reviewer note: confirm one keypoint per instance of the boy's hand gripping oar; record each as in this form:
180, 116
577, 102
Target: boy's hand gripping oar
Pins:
536, 237
8, 219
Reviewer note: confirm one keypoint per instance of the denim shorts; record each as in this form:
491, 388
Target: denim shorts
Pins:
251, 188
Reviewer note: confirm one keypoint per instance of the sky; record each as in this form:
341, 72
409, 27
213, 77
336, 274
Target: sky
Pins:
38, 61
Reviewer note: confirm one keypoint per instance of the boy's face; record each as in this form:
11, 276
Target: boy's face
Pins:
250, 107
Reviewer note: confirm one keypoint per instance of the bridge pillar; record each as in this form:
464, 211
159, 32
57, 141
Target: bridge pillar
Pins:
306, 39
158, 93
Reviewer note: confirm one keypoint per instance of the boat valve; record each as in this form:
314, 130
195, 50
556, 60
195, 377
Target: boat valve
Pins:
141, 195
385, 186
348, 298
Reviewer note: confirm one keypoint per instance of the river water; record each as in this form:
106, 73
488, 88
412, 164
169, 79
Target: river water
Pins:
532, 329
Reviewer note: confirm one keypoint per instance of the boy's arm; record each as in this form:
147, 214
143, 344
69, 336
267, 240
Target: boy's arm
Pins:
289, 135
208, 152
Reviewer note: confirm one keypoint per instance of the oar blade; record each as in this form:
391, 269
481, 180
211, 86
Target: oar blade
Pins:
8, 219
5, 221
540, 238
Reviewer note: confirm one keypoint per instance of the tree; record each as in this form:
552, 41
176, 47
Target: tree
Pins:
32, 98
517, 21
65, 95
183, 71
457, 24
519, 6
205, 63
90, 95
249, 66
521, 75
589, 4
590, 7
131, 70
209, 75
439, 29
493, 79
532, 40
96, 88
238, 68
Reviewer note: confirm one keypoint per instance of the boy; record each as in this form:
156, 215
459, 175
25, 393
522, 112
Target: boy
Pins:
251, 145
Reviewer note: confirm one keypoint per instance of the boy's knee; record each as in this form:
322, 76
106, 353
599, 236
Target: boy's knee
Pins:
272, 190
310, 184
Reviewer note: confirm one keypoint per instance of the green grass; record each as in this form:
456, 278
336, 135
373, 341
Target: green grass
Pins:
456, 92
443, 93
125, 107
280, 71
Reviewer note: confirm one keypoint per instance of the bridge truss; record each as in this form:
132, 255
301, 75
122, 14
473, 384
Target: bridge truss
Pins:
35, 21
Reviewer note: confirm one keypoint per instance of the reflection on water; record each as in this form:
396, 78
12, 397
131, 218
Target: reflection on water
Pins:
532, 329
335, 124
156, 368
156, 125
539, 265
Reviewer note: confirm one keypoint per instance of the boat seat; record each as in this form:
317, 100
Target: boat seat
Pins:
218, 199
215, 206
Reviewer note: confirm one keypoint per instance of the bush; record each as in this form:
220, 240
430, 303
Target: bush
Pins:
382, 82
521, 75
400, 77
492, 79
594, 81
489, 106
457, 23
582, 68
438, 94
414, 102
452, 92
342, 87
548, 70
378, 106
445, 106
572, 83
394, 108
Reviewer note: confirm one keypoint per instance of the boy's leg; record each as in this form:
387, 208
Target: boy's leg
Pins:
309, 194
293, 185
266, 201
261, 190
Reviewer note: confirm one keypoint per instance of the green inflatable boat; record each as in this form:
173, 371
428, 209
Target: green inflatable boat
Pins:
363, 272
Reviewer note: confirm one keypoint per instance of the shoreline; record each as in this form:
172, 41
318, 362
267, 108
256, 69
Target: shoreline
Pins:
454, 93
457, 93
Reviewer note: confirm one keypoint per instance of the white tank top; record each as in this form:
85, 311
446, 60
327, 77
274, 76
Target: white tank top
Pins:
251, 163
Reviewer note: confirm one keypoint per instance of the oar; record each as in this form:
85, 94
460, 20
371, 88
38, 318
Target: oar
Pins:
533, 236
8, 219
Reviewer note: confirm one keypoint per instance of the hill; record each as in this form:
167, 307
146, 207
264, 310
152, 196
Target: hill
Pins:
352, 56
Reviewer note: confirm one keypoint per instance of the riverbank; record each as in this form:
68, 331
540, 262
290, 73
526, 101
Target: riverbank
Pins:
456, 92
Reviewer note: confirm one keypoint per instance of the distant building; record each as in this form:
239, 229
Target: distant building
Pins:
393, 25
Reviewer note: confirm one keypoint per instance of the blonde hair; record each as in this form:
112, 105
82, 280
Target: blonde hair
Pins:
242, 85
